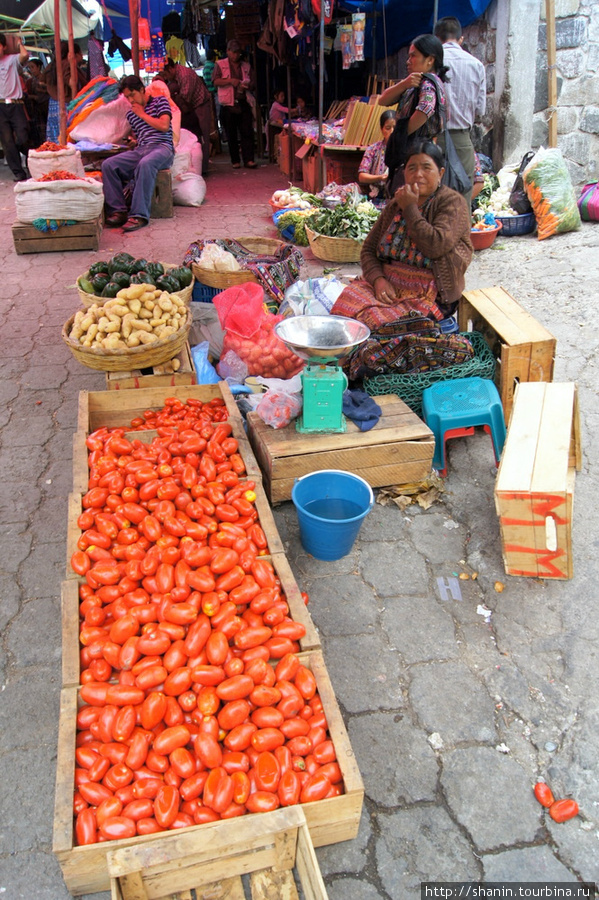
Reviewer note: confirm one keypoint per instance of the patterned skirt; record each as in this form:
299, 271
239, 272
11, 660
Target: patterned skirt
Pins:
416, 292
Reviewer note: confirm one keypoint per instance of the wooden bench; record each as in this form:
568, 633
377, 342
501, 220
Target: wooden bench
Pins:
534, 492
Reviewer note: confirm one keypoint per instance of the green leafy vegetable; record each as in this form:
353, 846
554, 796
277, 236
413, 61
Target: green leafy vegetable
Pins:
351, 219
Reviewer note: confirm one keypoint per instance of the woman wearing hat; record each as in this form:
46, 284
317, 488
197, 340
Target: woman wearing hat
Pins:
234, 79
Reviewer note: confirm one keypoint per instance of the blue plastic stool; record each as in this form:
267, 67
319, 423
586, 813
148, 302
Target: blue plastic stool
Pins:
450, 407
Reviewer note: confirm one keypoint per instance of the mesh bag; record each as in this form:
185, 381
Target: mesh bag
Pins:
409, 388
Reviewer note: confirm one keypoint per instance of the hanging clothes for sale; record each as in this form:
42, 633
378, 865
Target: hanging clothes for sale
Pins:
192, 54
175, 50
171, 25
95, 55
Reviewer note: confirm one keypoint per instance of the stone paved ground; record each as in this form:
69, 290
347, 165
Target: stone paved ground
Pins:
449, 711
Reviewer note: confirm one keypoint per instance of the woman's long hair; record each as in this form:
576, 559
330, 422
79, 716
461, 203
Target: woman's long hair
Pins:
429, 45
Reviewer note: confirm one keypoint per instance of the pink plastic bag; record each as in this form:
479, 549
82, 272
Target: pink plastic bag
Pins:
278, 409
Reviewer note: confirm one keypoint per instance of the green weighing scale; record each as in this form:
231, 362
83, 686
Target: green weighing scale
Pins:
324, 341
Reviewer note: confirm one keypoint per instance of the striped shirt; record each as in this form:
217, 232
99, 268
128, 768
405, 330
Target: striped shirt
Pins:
146, 134
466, 89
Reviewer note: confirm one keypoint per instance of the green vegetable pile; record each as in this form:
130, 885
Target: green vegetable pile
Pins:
105, 279
296, 218
351, 219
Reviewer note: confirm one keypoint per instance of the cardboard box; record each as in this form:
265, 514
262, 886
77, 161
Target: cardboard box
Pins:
398, 450
525, 350
534, 493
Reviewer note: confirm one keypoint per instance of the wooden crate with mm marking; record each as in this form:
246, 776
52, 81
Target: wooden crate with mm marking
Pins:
183, 372
81, 236
525, 350
534, 492
268, 849
85, 868
398, 450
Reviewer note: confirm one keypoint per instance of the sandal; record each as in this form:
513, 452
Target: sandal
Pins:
133, 223
251, 164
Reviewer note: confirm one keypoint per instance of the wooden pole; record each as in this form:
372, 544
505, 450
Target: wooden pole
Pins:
62, 112
551, 73
133, 20
72, 60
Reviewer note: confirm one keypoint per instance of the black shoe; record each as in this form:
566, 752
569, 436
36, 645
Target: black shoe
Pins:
116, 219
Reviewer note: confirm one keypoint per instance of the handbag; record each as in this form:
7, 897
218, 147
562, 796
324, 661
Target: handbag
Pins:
588, 202
455, 175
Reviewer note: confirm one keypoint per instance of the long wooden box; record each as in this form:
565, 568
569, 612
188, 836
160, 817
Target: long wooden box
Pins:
116, 409
81, 236
268, 848
85, 868
534, 493
165, 374
525, 350
398, 450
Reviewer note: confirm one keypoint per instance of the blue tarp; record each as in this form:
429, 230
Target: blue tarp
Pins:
406, 19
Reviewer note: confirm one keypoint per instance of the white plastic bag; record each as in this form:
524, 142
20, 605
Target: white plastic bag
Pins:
40, 162
313, 297
277, 408
188, 143
189, 189
105, 125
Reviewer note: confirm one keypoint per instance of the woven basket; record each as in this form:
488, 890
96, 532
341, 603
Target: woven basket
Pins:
223, 280
134, 358
334, 249
89, 299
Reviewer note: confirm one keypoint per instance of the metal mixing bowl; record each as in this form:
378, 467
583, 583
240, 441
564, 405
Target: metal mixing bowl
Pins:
321, 338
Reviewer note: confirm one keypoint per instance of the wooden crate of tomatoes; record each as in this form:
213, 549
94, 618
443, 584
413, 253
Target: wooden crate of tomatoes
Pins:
235, 761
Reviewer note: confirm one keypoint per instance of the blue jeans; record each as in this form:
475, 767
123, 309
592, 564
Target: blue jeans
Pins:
142, 164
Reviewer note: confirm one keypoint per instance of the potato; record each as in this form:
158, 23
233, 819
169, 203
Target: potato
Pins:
135, 305
145, 313
133, 339
141, 325
147, 337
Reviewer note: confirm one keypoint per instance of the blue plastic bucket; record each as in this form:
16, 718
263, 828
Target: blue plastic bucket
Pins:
331, 505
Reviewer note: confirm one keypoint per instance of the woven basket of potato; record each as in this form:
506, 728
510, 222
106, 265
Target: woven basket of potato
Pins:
140, 327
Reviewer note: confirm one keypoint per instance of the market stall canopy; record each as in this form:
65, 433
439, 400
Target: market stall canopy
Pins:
405, 19
87, 16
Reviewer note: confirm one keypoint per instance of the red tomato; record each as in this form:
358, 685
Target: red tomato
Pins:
218, 790
267, 772
267, 739
262, 801
234, 713
316, 787
166, 805
543, 794
152, 710
239, 738
289, 789
182, 762
208, 750
85, 827
171, 738
235, 688
560, 811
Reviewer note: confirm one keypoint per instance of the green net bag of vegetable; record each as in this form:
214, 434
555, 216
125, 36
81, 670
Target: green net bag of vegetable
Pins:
549, 188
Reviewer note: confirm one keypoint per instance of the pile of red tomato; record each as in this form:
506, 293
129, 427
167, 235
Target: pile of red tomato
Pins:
185, 718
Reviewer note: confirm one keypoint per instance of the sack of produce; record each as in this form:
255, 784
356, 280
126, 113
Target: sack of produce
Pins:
249, 332
104, 124
588, 202
71, 198
549, 189
51, 157
189, 189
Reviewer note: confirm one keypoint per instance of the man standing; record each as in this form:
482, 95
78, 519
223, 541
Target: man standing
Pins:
150, 121
234, 79
191, 95
14, 132
466, 92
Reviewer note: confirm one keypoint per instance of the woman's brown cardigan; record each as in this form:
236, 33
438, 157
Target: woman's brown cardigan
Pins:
443, 234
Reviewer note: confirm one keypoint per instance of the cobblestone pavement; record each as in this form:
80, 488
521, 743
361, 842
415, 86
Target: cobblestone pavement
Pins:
451, 704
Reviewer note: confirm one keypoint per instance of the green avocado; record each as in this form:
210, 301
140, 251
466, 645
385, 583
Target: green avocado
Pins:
111, 289
99, 282
183, 275
141, 278
121, 278
96, 268
155, 269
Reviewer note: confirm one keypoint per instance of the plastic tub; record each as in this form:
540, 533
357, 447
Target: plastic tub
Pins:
482, 240
331, 505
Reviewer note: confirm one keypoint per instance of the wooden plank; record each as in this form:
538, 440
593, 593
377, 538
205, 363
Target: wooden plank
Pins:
73, 531
267, 884
555, 431
308, 868
80, 466
81, 236
69, 617
297, 608
62, 835
518, 458
162, 375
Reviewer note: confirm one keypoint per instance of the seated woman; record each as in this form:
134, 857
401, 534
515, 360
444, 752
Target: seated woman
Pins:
373, 173
413, 261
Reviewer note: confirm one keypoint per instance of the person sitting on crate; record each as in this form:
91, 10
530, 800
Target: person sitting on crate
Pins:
150, 119
413, 264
